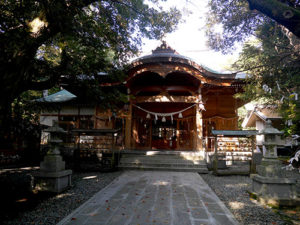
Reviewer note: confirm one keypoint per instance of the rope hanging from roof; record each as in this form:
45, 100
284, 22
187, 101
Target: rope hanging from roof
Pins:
164, 115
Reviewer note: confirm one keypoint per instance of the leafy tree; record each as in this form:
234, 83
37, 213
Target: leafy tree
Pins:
241, 18
271, 55
273, 63
42, 40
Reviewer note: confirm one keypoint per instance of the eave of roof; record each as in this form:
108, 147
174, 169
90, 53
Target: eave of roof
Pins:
234, 133
61, 96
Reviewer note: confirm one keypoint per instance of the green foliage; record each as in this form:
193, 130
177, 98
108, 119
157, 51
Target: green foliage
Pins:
238, 23
274, 66
42, 40
271, 57
39, 41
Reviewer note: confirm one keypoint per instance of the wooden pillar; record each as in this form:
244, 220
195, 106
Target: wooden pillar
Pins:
128, 131
252, 162
236, 125
198, 129
150, 142
215, 157
77, 124
134, 132
177, 135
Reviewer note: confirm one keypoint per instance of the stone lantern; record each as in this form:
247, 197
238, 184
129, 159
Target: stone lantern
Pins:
271, 184
272, 140
52, 176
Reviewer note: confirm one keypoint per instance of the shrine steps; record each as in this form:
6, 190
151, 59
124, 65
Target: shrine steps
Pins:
163, 160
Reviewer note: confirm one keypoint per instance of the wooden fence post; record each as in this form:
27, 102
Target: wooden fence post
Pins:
215, 158
252, 162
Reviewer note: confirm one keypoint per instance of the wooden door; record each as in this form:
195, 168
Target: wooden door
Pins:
164, 135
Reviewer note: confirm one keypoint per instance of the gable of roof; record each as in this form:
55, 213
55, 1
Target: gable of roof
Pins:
264, 114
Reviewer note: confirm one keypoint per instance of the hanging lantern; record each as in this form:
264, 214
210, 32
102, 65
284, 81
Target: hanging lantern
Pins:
148, 116
180, 115
163, 119
171, 118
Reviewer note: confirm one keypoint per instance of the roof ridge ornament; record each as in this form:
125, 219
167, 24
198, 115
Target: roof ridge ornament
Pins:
164, 48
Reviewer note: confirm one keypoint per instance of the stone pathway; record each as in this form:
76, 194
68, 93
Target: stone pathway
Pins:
153, 197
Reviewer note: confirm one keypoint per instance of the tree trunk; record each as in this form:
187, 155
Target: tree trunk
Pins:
280, 12
5, 125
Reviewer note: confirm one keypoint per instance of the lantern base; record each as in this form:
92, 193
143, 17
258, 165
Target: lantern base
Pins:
275, 191
53, 181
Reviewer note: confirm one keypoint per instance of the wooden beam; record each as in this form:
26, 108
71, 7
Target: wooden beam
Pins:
164, 98
157, 88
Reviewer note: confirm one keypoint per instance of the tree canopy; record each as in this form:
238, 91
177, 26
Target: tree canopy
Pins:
271, 56
42, 40
241, 18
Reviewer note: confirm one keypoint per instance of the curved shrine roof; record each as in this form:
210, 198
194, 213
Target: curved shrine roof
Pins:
165, 54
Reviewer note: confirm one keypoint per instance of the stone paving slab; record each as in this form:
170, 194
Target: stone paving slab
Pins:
153, 197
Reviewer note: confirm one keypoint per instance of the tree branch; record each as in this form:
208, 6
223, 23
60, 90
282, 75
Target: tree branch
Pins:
53, 74
282, 13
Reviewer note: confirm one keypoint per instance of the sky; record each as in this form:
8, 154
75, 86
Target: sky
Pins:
190, 40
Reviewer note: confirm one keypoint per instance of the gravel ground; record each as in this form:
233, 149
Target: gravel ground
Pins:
232, 190
51, 209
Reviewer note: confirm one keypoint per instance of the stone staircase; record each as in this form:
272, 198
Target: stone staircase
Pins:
184, 161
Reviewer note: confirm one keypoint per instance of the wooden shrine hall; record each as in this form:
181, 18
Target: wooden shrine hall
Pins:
175, 103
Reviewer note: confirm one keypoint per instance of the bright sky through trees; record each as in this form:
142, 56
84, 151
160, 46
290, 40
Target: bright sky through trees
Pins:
189, 39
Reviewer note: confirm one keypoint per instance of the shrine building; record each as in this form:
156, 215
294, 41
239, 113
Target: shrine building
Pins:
174, 103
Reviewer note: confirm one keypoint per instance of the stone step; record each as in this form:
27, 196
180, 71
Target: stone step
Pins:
176, 169
163, 160
160, 152
192, 155
164, 164
163, 157
169, 161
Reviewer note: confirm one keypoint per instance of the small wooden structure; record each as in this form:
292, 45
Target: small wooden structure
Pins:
257, 117
96, 148
232, 147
